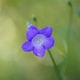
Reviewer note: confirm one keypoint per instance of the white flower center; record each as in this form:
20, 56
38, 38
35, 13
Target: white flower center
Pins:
38, 40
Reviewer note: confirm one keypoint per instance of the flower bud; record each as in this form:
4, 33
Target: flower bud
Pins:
69, 2
34, 18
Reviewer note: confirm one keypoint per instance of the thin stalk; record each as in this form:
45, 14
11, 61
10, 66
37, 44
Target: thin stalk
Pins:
70, 23
35, 23
60, 76
68, 38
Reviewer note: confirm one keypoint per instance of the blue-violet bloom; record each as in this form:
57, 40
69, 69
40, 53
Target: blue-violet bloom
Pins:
38, 41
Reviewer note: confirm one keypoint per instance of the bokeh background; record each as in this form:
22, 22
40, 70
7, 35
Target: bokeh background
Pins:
15, 64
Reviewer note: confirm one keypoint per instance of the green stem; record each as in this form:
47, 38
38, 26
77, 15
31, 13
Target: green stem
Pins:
68, 37
35, 23
70, 23
60, 76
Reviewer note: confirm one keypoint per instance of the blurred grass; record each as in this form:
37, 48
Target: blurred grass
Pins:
14, 63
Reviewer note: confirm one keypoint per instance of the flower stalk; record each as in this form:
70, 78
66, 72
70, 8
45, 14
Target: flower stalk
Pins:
68, 36
70, 23
59, 74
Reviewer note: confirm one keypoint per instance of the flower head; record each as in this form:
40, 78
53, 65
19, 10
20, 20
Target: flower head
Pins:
38, 41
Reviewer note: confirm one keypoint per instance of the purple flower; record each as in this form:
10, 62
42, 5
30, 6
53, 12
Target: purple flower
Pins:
38, 40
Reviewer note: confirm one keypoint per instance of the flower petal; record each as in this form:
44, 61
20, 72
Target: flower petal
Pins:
31, 32
27, 46
47, 31
49, 42
39, 51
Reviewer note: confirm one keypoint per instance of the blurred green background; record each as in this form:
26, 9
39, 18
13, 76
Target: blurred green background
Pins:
15, 64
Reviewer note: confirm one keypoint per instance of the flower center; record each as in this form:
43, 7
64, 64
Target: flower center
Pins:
38, 40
